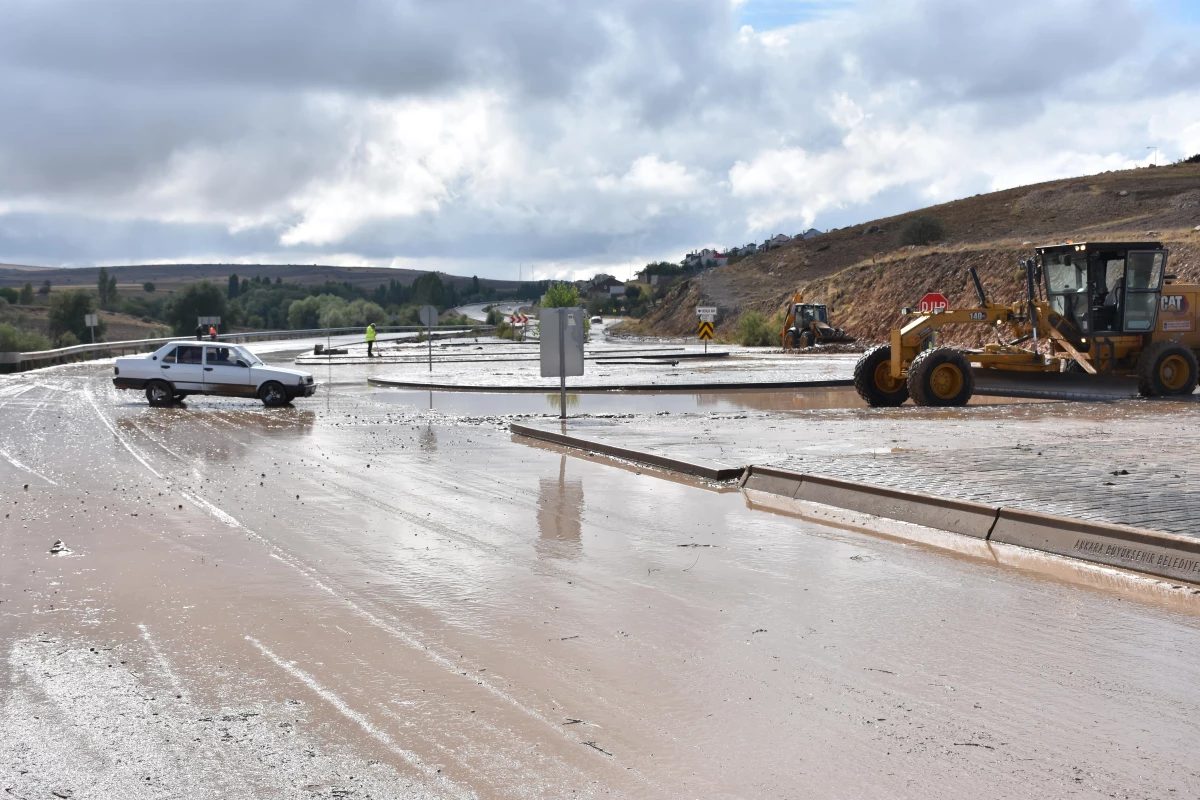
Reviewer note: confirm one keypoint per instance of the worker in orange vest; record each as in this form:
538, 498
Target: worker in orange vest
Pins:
212, 332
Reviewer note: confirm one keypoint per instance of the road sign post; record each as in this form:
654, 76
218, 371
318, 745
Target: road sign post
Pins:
707, 315
429, 315
561, 348
91, 320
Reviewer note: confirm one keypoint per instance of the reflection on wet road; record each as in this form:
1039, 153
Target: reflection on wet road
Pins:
362, 597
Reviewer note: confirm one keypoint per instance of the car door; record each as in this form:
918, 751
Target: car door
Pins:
184, 368
225, 372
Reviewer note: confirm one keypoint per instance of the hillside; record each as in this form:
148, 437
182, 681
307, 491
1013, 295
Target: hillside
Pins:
866, 278
169, 277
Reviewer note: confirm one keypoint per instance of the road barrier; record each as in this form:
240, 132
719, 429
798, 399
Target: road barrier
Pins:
1167, 555
19, 362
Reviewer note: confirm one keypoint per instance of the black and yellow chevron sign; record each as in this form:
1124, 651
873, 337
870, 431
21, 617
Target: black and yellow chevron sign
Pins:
706, 330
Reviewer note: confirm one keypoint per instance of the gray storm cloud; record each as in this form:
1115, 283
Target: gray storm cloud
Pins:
565, 133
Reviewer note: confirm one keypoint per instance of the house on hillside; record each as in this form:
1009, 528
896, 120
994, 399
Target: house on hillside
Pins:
778, 240
811, 233
605, 286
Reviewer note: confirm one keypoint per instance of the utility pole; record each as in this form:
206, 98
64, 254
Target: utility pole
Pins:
1155, 149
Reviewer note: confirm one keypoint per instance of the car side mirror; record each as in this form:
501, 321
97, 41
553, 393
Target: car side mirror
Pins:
241, 363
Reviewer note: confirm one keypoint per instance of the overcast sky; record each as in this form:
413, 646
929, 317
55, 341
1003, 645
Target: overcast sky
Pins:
476, 135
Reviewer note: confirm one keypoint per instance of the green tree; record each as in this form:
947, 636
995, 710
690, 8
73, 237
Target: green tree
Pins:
112, 288
26, 298
753, 330
561, 295
102, 286
9, 294
148, 287
921, 230
67, 312
234, 288
44, 289
202, 299
475, 290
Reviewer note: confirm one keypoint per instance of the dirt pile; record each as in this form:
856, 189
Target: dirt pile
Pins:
867, 278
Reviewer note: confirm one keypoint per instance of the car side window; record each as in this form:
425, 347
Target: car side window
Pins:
217, 356
169, 358
189, 354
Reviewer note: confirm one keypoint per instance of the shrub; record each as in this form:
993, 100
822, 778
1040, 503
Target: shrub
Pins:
505, 331
753, 330
25, 297
922, 230
561, 295
10, 294
67, 339
15, 340
494, 317
148, 287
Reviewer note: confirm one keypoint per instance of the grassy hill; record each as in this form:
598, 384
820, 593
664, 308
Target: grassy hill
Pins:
866, 278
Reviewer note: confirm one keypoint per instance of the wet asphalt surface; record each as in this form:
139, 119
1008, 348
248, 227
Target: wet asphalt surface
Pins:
360, 596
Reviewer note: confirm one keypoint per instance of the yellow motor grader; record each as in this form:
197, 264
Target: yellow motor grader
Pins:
806, 324
1100, 308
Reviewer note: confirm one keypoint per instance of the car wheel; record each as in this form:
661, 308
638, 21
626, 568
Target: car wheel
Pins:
272, 394
158, 393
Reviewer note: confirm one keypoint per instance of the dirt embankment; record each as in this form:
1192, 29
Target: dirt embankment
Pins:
120, 327
867, 278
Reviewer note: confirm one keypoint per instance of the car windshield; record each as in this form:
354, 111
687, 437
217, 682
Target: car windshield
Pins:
247, 356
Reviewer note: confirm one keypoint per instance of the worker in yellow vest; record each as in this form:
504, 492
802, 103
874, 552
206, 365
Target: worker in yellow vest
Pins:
371, 340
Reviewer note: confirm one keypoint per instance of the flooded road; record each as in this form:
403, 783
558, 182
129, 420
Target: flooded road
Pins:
362, 597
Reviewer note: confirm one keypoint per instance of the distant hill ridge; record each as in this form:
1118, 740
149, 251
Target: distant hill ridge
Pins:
168, 277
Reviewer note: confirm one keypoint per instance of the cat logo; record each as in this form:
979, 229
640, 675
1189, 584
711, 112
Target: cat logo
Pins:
1173, 303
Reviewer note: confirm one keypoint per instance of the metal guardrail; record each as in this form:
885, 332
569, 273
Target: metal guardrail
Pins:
18, 362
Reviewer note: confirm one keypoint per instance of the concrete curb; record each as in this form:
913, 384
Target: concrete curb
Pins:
703, 469
651, 388
1166, 555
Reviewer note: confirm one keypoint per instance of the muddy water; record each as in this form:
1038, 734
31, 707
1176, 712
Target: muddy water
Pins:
357, 598
490, 403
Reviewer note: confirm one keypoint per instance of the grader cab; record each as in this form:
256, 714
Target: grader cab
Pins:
1098, 308
806, 324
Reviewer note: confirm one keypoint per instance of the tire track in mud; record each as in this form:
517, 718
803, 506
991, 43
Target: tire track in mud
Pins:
383, 621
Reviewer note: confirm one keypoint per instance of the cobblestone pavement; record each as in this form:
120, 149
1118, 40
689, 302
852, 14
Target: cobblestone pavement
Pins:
1130, 462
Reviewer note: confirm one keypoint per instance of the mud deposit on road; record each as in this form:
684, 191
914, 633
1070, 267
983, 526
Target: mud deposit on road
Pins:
356, 597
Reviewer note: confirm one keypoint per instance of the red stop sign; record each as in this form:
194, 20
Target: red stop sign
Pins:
934, 301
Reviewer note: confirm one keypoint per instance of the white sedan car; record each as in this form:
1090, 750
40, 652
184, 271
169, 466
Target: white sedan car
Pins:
181, 368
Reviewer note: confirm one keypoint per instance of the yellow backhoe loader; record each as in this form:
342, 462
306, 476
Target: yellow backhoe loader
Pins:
807, 324
1100, 308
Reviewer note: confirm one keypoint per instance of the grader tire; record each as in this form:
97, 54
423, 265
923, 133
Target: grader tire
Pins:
1166, 369
873, 379
941, 377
